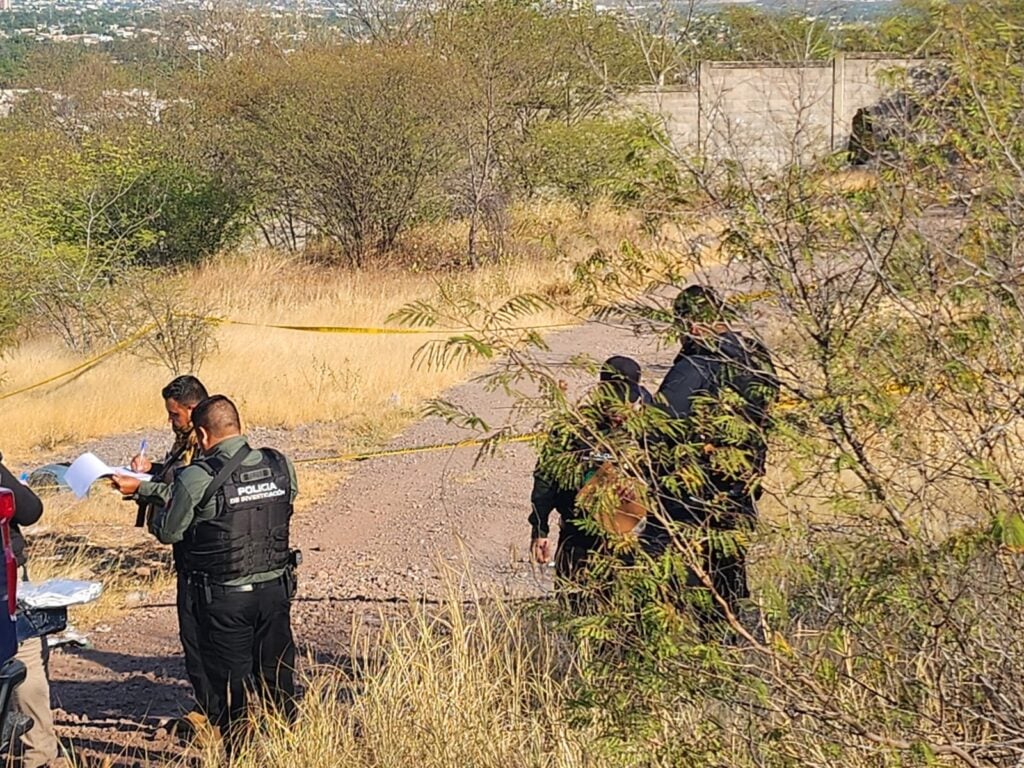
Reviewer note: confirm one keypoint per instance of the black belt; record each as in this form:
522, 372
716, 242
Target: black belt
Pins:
246, 587
226, 589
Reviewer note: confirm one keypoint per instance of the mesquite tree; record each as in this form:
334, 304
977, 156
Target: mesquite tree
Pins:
888, 588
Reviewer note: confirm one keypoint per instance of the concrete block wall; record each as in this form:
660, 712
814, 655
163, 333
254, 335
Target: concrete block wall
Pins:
768, 115
679, 108
765, 116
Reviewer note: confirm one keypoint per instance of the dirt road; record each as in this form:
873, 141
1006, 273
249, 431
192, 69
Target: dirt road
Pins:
383, 535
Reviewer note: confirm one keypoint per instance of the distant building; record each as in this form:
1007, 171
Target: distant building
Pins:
5, 5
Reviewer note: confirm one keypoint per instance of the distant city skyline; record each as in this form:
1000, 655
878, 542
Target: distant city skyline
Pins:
326, 5
95, 22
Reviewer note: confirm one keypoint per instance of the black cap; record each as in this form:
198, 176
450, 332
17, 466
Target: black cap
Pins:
700, 304
624, 371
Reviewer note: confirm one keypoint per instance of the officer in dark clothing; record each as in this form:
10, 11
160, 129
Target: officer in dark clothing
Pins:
717, 398
32, 697
569, 458
27, 510
230, 510
180, 396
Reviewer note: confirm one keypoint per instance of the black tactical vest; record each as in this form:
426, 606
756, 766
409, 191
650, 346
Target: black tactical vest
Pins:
249, 532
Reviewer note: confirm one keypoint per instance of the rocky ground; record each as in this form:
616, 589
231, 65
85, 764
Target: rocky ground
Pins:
384, 535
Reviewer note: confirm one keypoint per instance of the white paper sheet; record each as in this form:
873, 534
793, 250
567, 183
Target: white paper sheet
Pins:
87, 469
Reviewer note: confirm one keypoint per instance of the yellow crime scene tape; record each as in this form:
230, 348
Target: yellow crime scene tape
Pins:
784, 403
374, 331
322, 328
92, 362
384, 453
389, 452
751, 297
788, 403
743, 298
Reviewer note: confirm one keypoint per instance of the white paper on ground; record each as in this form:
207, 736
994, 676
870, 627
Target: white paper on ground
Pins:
87, 469
58, 593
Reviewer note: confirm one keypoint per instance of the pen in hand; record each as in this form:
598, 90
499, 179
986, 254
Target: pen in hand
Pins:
139, 463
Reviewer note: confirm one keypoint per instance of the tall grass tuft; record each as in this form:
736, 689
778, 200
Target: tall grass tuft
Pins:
469, 683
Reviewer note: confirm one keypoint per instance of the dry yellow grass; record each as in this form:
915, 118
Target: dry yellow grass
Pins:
277, 377
480, 684
349, 391
287, 378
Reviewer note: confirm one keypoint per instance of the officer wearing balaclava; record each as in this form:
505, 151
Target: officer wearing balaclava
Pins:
716, 399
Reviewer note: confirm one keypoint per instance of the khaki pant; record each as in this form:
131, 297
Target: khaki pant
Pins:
32, 699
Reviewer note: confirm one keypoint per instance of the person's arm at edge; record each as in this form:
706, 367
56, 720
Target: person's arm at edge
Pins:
28, 507
293, 478
542, 502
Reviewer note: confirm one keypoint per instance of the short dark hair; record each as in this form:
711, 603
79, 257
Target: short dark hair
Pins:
621, 375
187, 390
217, 415
701, 304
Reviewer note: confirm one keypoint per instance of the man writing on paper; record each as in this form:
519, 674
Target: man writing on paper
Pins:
180, 398
230, 511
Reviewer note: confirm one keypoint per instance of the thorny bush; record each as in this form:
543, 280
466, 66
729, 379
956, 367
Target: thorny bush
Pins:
885, 566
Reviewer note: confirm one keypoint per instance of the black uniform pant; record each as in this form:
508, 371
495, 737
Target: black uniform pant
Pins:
248, 650
574, 550
725, 564
727, 569
583, 588
207, 701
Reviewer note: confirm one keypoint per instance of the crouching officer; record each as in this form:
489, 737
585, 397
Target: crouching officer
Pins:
231, 510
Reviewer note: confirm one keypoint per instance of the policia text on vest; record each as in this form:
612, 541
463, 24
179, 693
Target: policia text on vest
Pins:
230, 510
